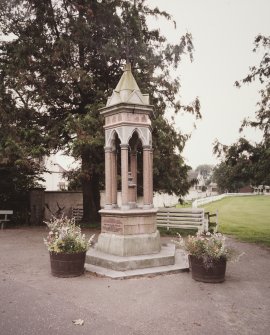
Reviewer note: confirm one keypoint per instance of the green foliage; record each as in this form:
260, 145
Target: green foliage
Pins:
246, 218
235, 171
242, 164
20, 152
172, 176
204, 169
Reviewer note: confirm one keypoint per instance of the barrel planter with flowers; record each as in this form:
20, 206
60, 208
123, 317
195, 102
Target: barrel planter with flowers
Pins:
67, 247
67, 265
207, 274
207, 255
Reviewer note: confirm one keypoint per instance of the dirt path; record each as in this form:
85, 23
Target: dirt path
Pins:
34, 302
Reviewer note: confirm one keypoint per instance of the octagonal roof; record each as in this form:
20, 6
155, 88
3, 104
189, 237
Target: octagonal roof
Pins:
127, 90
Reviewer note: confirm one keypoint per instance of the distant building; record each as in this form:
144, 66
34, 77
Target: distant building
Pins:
212, 187
246, 189
201, 184
261, 189
54, 180
202, 188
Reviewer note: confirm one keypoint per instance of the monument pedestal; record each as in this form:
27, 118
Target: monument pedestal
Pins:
128, 232
129, 240
129, 245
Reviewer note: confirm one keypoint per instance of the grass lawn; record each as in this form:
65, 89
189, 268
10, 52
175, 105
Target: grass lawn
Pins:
247, 217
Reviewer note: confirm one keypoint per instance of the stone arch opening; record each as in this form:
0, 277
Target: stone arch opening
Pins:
135, 173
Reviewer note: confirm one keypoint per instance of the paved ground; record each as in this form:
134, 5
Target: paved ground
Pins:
34, 302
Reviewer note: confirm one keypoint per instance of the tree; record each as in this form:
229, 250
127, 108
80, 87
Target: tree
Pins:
206, 171
242, 162
261, 73
235, 170
66, 57
20, 140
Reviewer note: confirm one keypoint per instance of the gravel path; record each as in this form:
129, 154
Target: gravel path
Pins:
34, 302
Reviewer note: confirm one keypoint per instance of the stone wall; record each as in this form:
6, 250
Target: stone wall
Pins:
36, 198
61, 202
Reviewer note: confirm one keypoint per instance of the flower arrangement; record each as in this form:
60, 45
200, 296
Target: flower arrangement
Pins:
66, 237
209, 247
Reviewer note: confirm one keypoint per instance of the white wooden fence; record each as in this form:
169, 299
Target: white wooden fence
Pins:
202, 201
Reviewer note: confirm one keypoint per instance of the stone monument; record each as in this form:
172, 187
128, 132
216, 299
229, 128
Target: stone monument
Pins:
129, 237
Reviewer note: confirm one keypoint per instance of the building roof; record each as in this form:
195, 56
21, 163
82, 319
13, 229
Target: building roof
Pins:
127, 90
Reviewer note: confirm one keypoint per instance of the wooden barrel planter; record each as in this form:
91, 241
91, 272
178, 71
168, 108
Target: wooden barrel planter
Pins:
67, 265
213, 274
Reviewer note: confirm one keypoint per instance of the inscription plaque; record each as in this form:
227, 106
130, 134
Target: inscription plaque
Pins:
112, 225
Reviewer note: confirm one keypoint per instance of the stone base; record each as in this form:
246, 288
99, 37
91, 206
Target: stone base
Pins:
129, 221
165, 257
129, 245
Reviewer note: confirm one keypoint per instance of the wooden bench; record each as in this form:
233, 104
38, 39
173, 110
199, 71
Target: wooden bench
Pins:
4, 217
184, 218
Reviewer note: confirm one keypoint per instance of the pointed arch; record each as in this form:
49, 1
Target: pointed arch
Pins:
111, 135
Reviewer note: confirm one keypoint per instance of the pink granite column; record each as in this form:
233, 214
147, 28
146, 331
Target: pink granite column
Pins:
124, 175
147, 197
133, 170
114, 178
108, 178
151, 176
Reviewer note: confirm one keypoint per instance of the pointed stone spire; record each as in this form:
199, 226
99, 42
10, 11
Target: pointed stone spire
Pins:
127, 82
127, 90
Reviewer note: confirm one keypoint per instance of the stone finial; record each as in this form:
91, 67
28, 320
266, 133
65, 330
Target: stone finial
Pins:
127, 90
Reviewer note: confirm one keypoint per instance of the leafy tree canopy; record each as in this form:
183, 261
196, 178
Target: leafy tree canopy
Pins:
204, 169
20, 150
63, 63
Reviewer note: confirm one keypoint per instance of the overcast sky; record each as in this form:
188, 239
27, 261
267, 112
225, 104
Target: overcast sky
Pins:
223, 34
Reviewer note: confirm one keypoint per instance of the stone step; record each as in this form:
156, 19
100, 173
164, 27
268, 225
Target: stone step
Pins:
114, 266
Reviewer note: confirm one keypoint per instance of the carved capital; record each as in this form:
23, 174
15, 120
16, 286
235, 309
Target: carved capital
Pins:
124, 146
147, 147
108, 149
